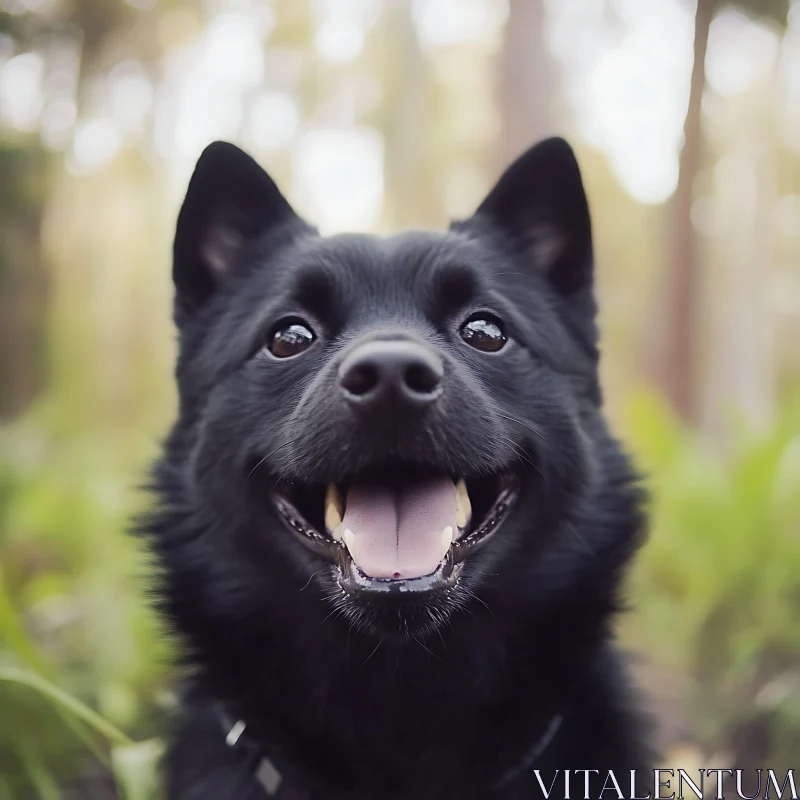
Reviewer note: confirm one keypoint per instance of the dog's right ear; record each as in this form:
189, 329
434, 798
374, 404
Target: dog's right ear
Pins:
230, 202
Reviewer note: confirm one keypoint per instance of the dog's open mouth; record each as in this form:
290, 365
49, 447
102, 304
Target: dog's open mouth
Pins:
398, 528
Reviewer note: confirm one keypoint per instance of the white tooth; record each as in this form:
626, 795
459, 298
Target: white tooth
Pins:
463, 505
333, 509
447, 540
350, 540
337, 532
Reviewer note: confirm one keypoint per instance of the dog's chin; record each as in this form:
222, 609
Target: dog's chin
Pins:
397, 534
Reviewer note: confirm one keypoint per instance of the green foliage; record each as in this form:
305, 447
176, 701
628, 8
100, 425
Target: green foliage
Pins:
134, 765
76, 633
717, 588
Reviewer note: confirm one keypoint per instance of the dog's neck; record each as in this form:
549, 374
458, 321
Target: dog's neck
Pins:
280, 780
462, 702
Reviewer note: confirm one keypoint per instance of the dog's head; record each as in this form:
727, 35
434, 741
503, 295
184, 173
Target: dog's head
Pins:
402, 422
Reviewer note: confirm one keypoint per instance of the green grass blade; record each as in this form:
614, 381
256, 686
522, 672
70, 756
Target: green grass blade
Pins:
66, 701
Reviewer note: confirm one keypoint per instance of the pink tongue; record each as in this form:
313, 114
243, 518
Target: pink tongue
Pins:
398, 533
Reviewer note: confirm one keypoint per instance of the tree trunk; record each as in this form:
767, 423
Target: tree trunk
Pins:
742, 360
525, 83
23, 277
675, 363
411, 200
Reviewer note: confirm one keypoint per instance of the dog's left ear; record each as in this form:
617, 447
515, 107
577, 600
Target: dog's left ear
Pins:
540, 203
231, 202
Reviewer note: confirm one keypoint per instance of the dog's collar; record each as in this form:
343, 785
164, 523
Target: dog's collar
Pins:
276, 778
280, 783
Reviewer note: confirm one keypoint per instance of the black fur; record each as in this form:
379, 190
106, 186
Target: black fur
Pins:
438, 698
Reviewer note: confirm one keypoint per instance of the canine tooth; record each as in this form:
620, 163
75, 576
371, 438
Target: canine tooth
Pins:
337, 532
447, 539
350, 540
463, 505
333, 508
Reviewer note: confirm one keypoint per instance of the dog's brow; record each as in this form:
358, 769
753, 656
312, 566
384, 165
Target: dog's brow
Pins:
454, 284
314, 286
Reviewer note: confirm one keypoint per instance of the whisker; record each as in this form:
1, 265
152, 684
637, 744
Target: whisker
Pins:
439, 632
335, 611
268, 455
522, 455
512, 418
423, 646
518, 450
374, 650
311, 579
474, 596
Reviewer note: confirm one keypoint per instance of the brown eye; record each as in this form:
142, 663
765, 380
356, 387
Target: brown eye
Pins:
484, 333
291, 340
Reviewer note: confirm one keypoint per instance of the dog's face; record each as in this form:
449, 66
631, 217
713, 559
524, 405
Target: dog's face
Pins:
402, 422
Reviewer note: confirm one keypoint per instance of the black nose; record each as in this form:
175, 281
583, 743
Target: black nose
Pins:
379, 373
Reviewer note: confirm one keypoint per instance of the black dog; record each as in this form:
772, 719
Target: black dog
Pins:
392, 521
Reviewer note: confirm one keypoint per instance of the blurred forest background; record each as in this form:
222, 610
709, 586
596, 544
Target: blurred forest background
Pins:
375, 114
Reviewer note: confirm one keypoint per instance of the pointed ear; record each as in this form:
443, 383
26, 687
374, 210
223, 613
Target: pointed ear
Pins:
230, 202
540, 204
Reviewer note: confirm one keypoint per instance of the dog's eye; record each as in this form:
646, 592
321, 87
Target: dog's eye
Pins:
291, 340
484, 333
